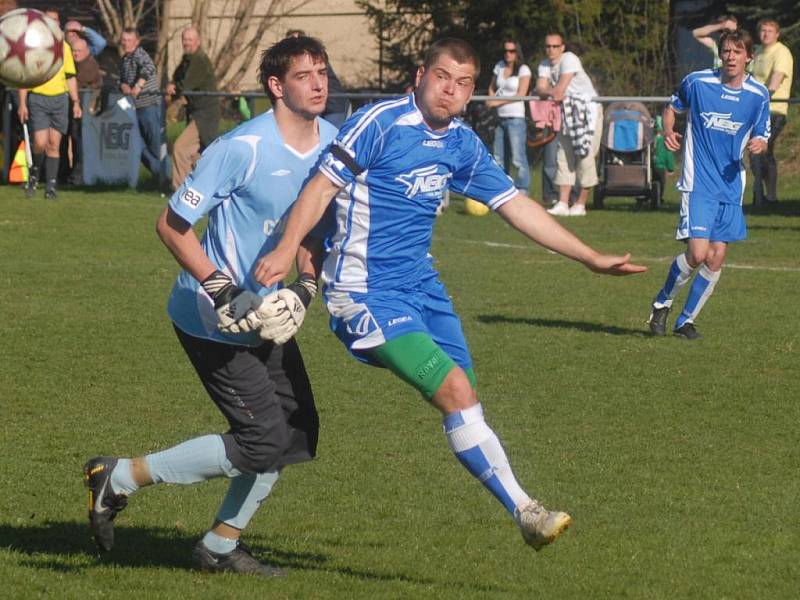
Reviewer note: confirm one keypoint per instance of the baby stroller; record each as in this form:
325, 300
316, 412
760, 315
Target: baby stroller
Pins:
626, 155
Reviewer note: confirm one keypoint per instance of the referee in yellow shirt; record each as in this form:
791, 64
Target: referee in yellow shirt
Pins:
45, 109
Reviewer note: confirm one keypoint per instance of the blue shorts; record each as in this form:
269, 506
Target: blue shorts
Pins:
705, 217
366, 321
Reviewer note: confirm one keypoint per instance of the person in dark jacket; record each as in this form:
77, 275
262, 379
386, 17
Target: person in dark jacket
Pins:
194, 73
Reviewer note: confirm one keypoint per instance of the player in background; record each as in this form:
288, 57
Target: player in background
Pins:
728, 111
393, 161
246, 182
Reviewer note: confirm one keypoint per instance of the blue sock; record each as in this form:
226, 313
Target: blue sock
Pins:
679, 273
245, 494
699, 293
122, 481
193, 461
218, 544
477, 448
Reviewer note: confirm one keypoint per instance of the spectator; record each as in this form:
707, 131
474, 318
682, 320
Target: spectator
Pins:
336, 109
89, 76
773, 65
194, 73
95, 41
46, 109
138, 78
511, 77
721, 25
561, 76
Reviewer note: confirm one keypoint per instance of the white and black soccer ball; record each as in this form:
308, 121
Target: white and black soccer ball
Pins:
31, 48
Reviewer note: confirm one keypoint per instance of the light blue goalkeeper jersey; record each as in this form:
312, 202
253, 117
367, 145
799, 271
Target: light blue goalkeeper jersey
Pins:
720, 122
395, 171
246, 181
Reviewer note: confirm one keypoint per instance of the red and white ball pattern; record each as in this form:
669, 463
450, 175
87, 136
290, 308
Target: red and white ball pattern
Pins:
31, 48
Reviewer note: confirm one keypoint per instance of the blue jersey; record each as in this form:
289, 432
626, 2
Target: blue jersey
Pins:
395, 170
720, 122
246, 181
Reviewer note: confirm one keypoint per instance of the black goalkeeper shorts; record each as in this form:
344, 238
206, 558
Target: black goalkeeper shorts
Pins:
265, 395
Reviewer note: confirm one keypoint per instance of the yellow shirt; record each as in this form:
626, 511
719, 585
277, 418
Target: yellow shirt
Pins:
58, 84
765, 63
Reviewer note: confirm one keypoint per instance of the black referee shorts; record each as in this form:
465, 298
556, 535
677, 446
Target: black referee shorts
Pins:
265, 395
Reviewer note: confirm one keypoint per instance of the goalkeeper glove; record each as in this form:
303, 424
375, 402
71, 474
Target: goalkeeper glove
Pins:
283, 312
234, 305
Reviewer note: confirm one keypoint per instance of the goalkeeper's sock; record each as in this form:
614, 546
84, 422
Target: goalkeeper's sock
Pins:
219, 544
122, 481
245, 494
701, 290
679, 273
477, 448
193, 461
51, 171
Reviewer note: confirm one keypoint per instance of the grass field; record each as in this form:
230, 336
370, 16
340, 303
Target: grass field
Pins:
678, 461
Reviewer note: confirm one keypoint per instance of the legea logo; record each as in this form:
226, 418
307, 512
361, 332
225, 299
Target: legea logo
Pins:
721, 122
425, 180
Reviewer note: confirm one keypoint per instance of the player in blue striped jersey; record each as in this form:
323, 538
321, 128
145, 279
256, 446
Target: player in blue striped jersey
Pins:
728, 111
393, 162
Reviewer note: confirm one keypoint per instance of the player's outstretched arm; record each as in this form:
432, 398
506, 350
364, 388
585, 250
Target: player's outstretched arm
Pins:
672, 139
533, 221
306, 212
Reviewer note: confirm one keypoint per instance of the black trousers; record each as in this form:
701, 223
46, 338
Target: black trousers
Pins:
264, 394
765, 169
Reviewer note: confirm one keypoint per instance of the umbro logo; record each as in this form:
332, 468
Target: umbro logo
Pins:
433, 143
281, 173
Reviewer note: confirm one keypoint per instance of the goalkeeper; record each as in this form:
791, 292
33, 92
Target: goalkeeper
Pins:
237, 333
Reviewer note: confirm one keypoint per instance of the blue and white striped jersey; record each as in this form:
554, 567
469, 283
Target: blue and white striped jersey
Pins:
395, 171
720, 122
246, 181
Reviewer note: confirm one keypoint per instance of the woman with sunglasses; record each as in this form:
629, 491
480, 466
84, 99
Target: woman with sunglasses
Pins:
511, 77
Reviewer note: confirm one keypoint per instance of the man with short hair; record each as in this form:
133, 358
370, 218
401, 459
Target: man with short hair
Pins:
728, 111
561, 77
251, 367
138, 78
46, 109
95, 41
195, 73
90, 77
773, 65
388, 169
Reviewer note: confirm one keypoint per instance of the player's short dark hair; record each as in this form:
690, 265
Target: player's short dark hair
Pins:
723, 18
295, 33
276, 59
459, 50
739, 38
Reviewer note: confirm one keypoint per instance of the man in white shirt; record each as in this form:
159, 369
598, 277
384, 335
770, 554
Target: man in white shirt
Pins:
561, 77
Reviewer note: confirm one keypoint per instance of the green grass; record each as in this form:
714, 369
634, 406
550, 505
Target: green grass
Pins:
677, 460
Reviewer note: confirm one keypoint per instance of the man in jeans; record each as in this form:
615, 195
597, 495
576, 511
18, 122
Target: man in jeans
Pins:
137, 78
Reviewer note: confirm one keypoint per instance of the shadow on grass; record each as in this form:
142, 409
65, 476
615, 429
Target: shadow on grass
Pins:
46, 546
560, 324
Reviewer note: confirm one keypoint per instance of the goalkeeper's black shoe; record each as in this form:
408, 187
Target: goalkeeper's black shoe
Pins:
658, 320
241, 560
104, 504
688, 331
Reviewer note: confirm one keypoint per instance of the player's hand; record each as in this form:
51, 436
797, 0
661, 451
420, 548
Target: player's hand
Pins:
22, 113
614, 265
757, 146
672, 140
274, 266
232, 304
283, 312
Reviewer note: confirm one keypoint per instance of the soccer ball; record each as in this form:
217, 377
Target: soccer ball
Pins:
31, 48
475, 208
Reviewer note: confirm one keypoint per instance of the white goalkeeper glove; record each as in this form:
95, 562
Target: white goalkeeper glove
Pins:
234, 305
282, 312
